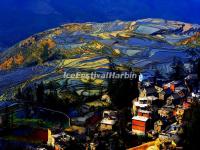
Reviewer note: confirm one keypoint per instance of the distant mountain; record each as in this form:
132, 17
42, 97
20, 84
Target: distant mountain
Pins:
22, 18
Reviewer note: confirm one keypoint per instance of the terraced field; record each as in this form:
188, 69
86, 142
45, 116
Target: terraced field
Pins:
146, 44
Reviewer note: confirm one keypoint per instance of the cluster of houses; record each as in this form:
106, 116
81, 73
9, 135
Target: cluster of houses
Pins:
158, 112
95, 114
160, 108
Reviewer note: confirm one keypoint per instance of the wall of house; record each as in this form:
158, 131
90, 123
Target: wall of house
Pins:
138, 127
105, 127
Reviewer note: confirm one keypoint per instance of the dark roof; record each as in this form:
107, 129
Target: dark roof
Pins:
177, 95
181, 94
163, 92
168, 91
150, 90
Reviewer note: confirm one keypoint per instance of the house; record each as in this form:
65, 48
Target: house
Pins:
158, 126
94, 120
196, 95
189, 99
148, 91
144, 102
167, 137
106, 98
141, 103
140, 125
42, 135
110, 114
180, 89
82, 120
85, 108
162, 95
171, 134
151, 100
109, 120
176, 98
173, 130
76, 129
158, 88
179, 114
172, 85
63, 137
145, 113
166, 112
107, 124
33, 135
188, 103
93, 106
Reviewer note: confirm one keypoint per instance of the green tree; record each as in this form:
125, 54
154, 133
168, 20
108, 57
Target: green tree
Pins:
28, 94
198, 69
178, 70
19, 94
157, 75
45, 53
40, 92
53, 85
191, 129
122, 91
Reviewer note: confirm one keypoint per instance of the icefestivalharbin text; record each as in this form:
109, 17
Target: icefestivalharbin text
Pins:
106, 75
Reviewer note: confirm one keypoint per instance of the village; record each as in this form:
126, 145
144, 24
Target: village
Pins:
158, 113
157, 117
156, 120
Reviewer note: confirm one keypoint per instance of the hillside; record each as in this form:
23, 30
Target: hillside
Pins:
85, 47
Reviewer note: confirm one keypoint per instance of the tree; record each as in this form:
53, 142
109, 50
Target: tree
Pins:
40, 92
178, 71
53, 85
19, 94
122, 91
28, 94
52, 100
45, 53
191, 129
198, 69
157, 75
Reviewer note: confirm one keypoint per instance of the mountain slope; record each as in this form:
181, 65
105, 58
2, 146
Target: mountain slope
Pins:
86, 47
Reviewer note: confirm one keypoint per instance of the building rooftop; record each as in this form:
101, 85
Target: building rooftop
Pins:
137, 104
84, 118
148, 98
108, 121
196, 95
140, 118
192, 76
150, 90
144, 111
175, 82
